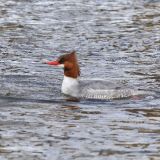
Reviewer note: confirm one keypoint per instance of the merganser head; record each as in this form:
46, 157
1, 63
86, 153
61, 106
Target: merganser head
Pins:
69, 63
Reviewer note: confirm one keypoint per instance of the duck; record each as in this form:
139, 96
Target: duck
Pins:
74, 87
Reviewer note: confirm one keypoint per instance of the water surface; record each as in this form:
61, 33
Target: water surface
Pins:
115, 40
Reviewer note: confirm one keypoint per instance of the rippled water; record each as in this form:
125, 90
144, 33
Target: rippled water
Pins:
115, 40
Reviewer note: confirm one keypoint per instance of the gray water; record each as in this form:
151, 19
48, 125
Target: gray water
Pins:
117, 41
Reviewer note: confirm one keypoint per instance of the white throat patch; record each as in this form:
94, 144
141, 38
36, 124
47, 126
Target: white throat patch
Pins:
60, 65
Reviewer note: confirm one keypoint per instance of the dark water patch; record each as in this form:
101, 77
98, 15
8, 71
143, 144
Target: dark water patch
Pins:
16, 99
10, 26
71, 107
12, 123
154, 112
111, 152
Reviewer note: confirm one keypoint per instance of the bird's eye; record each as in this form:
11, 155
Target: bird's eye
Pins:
61, 60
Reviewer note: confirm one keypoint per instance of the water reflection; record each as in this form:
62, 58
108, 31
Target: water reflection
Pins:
152, 114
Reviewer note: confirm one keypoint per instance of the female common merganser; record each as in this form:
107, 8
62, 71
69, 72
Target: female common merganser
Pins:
75, 88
